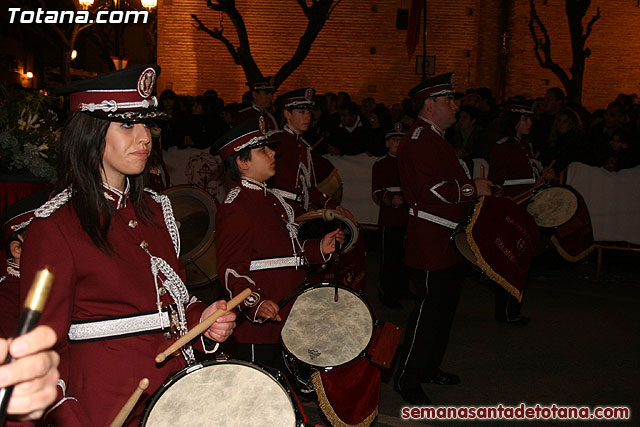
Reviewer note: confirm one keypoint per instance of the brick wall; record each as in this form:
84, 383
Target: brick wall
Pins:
463, 35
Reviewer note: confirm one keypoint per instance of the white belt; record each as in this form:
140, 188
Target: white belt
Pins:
282, 262
122, 326
523, 181
434, 218
288, 195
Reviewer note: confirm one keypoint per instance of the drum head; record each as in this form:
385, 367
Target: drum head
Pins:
323, 333
229, 393
553, 206
195, 214
318, 223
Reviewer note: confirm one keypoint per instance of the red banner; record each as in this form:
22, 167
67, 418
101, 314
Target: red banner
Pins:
413, 28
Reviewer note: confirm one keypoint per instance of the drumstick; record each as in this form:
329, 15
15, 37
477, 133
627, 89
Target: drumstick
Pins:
317, 142
481, 171
203, 326
133, 399
337, 251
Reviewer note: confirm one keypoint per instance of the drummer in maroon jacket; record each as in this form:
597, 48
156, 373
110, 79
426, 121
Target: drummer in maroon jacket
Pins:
257, 244
392, 217
513, 167
113, 248
295, 176
15, 220
439, 194
262, 91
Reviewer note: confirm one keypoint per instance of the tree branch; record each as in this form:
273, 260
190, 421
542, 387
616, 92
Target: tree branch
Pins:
590, 24
545, 46
217, 34
317, 17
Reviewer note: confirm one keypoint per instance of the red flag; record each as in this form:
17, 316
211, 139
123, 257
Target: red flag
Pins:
413, 28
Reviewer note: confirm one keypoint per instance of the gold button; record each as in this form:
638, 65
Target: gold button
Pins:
144, 244
133, 223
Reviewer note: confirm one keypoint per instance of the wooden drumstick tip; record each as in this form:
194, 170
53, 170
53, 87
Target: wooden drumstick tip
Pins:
143, 384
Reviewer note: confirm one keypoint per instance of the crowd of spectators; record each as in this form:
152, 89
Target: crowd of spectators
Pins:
561, 130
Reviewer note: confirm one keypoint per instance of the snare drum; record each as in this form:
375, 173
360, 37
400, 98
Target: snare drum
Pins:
553, 206
195, 213
223, 393
321, 333
318, 223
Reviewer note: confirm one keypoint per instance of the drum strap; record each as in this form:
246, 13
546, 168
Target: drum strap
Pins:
433, 218
120, 326
281, 262
289, 196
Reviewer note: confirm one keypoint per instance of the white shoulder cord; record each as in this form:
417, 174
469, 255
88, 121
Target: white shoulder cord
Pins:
292, 227
172, 283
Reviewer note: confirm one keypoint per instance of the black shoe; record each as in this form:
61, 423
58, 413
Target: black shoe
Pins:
442, 378
520, 320
412, 395
389, 302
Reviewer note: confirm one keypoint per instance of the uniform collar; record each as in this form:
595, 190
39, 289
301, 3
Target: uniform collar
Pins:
117, 197
257, 107
13, 269
252, 184
292, 131
435, 127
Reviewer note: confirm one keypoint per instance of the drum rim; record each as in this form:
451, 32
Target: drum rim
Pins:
353, 225
564, 186
374, 325
206, 244
172, 379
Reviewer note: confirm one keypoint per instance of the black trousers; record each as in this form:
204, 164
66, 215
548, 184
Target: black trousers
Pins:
507, 307
269, 355
394, 280
427, 332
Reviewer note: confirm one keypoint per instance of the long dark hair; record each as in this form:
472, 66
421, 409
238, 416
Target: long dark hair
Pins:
80, 165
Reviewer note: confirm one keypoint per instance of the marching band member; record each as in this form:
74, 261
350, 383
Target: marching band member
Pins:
438, 192
295, 176
513, 167
392, 216
118, 296
257, 242
262, 91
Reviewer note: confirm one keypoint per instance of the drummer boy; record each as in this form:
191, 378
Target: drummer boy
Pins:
257, 242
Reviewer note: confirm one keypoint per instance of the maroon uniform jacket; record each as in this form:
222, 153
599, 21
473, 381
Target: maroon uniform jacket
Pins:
433, 181
252, 226
511, 166
250, 112
296, 174
9, 300
99, 376
385, 183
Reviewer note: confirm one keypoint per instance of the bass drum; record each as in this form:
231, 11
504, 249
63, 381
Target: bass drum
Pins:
223, 393
195, 213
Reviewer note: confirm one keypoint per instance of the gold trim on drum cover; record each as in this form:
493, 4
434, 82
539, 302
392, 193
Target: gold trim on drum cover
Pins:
484, 266
328, 410
564, 254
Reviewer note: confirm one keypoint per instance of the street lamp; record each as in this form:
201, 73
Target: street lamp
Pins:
149, 4
85, 4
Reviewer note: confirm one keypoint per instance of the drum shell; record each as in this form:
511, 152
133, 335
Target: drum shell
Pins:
314, 225
195, 211
247, 409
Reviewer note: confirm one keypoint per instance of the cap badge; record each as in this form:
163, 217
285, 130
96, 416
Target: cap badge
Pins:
272, 81
146, 81
308, 94
453, 80
397, 127
262, 125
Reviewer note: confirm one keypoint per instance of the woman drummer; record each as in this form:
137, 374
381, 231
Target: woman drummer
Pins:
118, 298
513, 167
